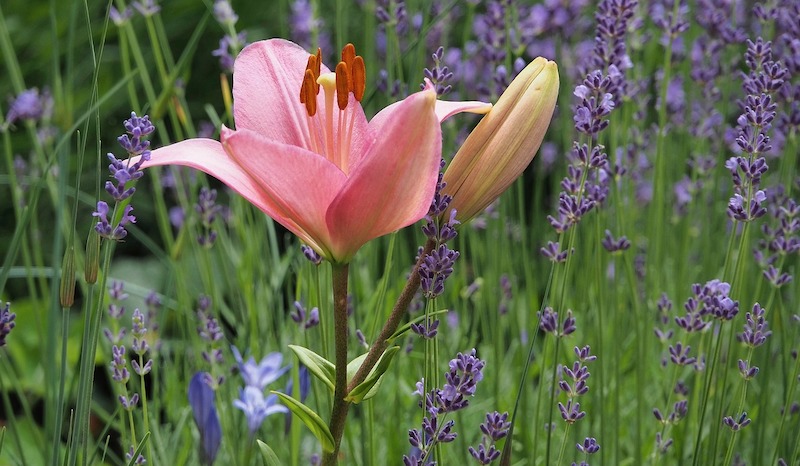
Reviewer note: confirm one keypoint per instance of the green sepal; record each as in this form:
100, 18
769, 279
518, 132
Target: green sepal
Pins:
310, 419
369, 387
317, 365
269, 456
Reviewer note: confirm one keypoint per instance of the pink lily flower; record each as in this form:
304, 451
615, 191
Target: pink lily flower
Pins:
310, 160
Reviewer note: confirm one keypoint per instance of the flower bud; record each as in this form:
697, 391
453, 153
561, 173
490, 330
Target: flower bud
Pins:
66, 291
92, 257
503, 144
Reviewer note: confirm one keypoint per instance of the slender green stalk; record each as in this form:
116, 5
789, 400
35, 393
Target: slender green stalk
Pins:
80, 439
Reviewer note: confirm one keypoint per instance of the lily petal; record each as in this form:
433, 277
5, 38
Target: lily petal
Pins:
299, 185
209, 156
392, 186
266, 91
444, 108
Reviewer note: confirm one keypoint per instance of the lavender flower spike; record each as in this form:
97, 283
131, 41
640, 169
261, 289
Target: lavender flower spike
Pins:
261, 374
6, 323
28, 105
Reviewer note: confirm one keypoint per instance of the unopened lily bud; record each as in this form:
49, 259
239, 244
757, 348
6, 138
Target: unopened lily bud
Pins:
66, 291
92, 264
505, 141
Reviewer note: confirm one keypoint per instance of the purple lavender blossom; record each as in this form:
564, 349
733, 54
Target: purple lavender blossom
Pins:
137, 128
305, 24
147, 8
553, 253
29, 105
204, 411
119, 365
747, 371
129, 456
435, 269
571, 412
311, 254
135, 144
224, 14
120, 18
737, 424
506, 296
440, 75
105, 228
299, 316
428, 328
610, 51
710, 299
596, 103
548, 322
260, 374
466, 370
679, 355
578, 375
756, 329
6, 323
208, 210
615, 245
589, 446
229, 47
662, 444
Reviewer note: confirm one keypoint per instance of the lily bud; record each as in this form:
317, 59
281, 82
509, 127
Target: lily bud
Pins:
503, 144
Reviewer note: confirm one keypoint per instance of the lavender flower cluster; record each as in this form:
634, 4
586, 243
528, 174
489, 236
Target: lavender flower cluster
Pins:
711, 299
139, 345
123, 173
6, 323
466, 370
781, 236
437, 265
232, 42
29, 105
305, 320
764, 78
145, 8
208, 210
494, 428
572, 382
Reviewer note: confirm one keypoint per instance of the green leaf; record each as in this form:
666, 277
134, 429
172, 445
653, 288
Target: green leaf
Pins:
269, 456
405, 328
310, 419
319, 366
369, 387
354, 365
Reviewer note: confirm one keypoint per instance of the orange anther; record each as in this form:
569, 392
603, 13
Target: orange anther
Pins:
358, 78
342, 85
348, 54
308, 93
318, 65
312, 63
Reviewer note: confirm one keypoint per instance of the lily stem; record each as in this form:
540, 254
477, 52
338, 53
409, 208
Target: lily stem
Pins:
341, 389
340, 406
